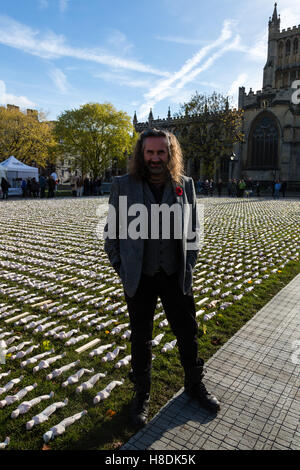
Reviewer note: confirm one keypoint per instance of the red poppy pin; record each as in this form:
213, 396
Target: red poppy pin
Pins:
179, 191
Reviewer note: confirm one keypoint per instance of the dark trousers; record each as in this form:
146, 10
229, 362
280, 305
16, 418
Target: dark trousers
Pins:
180, 312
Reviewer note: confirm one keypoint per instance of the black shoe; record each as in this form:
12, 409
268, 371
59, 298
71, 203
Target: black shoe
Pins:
140, 409
207, 400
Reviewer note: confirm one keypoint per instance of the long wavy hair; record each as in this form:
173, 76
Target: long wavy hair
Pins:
175, 164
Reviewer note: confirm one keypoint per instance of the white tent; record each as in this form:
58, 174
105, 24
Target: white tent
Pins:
2, 173
16, 169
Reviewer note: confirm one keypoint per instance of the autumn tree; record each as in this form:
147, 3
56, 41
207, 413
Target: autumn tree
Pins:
95, 135
26, 137
212, 128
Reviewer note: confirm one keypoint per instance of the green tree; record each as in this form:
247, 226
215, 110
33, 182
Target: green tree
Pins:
95, 135
26, 137
212, 128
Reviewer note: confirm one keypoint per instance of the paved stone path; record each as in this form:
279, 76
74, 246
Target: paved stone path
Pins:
257, 379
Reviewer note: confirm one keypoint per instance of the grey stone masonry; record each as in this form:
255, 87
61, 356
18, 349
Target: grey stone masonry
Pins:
256, 376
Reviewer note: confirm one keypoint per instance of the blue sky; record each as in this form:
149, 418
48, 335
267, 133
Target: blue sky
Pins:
136, 54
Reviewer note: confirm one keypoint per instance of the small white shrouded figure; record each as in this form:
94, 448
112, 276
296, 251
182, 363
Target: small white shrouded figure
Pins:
44, 415
5, 443
11, 384
9, 399
157, 339
126, 335
73, 379
61, 370
101, 349
5, 374
169, 346
123, 362
27, 405
90, 383
75, 340
112, 355
21, 354
107, 391
48, 362
61, 427
119, 328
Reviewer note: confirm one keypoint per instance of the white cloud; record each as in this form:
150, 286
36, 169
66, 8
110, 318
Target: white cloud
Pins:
63, 5
7, 98
170, 87
43, 4
59, 79
182, 40
123, 79
52, 46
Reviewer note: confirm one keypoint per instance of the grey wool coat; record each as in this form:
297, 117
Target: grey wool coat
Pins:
126, 254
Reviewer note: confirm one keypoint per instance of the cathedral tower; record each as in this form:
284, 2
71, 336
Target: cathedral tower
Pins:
270, 67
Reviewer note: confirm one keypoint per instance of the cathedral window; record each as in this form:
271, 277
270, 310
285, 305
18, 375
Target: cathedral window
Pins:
296, 45
263, 143
288, 47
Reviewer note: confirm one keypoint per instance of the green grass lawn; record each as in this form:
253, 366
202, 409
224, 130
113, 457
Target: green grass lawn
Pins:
57, 243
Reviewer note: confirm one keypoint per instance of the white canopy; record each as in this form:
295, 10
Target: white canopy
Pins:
16, 169
2, 173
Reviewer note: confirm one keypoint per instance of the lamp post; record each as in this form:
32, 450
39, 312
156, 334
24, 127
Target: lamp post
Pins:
232, 161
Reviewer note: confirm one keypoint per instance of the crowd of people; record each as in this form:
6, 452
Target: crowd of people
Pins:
33, 188
86, 186
46, 186
239, 188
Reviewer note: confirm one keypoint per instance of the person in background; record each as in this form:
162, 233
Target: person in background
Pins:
277, 188
42, 181
79, 186
73, 185
51, 187
23, 187
28, 187
234, 188
241, 186
283, 188
5, 185
206, 187
35, 187
211, 187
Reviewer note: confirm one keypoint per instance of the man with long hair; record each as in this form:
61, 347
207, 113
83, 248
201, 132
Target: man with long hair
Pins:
157, 266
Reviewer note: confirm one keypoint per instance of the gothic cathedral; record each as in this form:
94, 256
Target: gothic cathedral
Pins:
272, 116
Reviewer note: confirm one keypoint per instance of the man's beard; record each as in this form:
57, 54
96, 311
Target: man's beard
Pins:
160, 168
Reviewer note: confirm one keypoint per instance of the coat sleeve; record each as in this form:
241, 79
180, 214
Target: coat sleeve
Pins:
194, 230
111, 230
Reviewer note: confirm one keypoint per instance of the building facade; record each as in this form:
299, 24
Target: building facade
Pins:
271, 123
271, 148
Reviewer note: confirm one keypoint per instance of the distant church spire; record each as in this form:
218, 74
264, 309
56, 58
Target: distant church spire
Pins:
275, 16
274, 22
150, 117
135, 118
